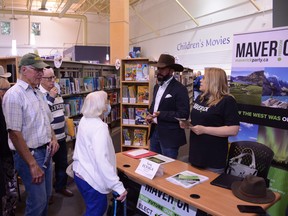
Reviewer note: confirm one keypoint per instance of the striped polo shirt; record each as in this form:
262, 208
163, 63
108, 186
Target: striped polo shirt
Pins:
56, 106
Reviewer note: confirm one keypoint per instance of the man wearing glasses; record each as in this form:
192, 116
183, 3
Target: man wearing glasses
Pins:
56, 105
31, 137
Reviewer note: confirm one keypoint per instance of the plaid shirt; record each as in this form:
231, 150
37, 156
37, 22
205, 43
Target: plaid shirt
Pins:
26, 110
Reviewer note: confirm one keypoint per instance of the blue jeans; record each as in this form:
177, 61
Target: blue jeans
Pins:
37, 194
96, 203
158, 147
60, 159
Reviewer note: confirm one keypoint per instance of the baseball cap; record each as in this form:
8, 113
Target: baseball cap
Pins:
3, 74
33, 60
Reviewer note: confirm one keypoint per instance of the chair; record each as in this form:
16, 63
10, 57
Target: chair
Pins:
263, 156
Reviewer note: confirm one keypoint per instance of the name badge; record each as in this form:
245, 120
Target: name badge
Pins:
147, 168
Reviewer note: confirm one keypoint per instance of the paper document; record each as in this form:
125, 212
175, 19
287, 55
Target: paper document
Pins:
187, 179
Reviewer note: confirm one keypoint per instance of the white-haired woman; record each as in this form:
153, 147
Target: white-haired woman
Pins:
94, 158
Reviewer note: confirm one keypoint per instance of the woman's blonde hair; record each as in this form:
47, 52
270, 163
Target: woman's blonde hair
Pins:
216, 86
94, 104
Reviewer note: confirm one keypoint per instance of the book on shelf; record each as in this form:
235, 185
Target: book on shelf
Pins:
100, 83
127, 137
142, 72
74, 106
140, 136
125, 94
143, 94
130, 72
88, 83
125, 115
132, 94
65, 87
139, 153
140, 115
131, 115
187, 179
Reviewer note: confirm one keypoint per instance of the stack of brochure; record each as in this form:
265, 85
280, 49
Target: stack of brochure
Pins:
187, 179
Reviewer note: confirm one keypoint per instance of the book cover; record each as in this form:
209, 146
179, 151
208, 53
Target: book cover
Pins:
127, 136
187, 179
140, 115
130, 71
143, 94
142, 72
88, 83
132, 92
125, 94
131, 115
140, 137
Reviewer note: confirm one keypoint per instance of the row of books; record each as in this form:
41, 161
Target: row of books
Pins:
113, 116
131, 115
73, 106
113, 97
135, 94
136, 72
70, 85
135, 137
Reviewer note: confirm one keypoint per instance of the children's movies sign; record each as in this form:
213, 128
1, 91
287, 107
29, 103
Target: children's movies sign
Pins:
154, 202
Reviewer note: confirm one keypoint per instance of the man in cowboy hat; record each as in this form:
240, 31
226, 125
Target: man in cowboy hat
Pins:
170, 101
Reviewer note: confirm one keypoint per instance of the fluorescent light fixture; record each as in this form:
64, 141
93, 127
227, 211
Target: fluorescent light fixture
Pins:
14, 48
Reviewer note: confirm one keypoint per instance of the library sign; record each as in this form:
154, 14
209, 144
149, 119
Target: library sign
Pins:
154, 202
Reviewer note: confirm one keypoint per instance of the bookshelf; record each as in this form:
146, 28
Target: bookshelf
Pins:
137, 82
186, 78
10, 64
77, 79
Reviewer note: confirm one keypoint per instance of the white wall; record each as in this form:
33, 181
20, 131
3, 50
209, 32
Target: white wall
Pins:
157, 26
218, 21
56, 34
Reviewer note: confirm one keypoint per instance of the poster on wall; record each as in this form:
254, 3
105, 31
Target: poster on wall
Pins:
259, 83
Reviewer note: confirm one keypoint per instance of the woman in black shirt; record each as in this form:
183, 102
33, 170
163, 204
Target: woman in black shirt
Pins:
214, 117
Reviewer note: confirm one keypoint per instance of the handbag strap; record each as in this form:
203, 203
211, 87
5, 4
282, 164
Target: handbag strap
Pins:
239, 157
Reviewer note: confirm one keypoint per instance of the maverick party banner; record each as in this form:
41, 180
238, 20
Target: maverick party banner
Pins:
259, 83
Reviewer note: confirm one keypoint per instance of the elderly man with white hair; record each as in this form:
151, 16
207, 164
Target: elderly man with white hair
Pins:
56, 105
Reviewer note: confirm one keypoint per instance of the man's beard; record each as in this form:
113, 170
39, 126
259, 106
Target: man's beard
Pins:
162, 79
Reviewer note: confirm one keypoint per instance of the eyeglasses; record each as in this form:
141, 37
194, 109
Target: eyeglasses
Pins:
49, 78
38, 70
4, 89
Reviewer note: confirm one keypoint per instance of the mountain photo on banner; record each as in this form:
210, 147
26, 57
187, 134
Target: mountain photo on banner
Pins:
275, 88
260, 86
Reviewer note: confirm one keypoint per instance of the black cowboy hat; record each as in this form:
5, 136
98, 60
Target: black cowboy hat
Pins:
166, 60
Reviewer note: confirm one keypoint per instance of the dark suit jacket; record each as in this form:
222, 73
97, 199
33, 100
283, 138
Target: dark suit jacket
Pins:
174, 103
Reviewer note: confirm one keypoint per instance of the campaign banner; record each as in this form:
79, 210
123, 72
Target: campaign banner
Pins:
261, 49
259, 83
154, 202
266, 116
259, 77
